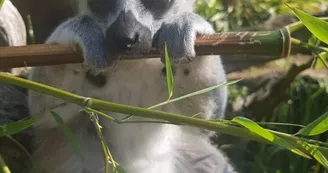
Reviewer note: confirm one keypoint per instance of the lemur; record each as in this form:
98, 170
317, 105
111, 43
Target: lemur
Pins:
104, 29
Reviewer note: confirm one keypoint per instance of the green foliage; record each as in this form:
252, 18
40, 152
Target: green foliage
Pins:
235, 92
16, 127
320, 125
316, 26
313, 150
309, 97
308, 100
279, 7
228, 15
255, 128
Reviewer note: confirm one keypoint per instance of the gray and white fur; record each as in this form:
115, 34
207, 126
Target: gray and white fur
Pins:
103, 29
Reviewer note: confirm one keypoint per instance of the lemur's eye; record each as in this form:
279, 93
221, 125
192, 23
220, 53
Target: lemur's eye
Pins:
157, 7
102, 7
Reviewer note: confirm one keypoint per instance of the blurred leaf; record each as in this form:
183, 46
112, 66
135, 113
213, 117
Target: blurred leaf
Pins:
320, 125
169, 74
119, 169
16, 127
1, 3
255, 128
316, 26
321, 60
3, 167
314, 41
67, 132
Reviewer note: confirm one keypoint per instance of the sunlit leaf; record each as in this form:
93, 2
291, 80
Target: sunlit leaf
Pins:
255, 128
169, 74
67, 132
293, 144
16, 127
316, 26
318, 126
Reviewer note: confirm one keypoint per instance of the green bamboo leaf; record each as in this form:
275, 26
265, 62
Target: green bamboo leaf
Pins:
169, 74
67, 132
316, 26
316, 152
255, 128
318, 126
196, 93
16, 127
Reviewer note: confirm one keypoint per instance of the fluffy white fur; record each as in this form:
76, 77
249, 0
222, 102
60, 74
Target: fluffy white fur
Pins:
139, 148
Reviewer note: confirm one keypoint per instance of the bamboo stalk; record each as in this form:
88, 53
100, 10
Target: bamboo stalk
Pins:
155, 114
266, 43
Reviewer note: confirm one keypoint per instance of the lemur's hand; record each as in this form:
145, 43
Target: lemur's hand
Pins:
84, 32
179, 34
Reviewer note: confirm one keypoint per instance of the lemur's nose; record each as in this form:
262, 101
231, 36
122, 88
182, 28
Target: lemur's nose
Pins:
124, 31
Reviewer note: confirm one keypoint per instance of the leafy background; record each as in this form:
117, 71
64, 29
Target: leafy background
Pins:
308, 97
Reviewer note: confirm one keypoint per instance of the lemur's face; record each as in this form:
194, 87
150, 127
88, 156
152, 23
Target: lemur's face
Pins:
131, 25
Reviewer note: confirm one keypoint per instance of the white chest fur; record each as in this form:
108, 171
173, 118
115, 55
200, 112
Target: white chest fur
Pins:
137, 83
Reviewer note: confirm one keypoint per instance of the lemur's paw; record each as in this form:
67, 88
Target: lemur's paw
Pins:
179, 34
83, 31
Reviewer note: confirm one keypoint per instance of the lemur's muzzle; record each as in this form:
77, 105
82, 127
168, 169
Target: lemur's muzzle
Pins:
128, 35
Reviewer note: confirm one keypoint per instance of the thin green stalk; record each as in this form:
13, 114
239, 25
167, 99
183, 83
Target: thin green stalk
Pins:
308, 46
296, 140
298, 25
106, 152
20, 147
316, 49
128, 110
174, 118
170, 101
279, 124
124, 122
41, 88
101, 139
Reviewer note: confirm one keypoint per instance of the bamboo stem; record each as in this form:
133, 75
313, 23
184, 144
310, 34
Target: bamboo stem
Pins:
153, 114
128, 110
266, 43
